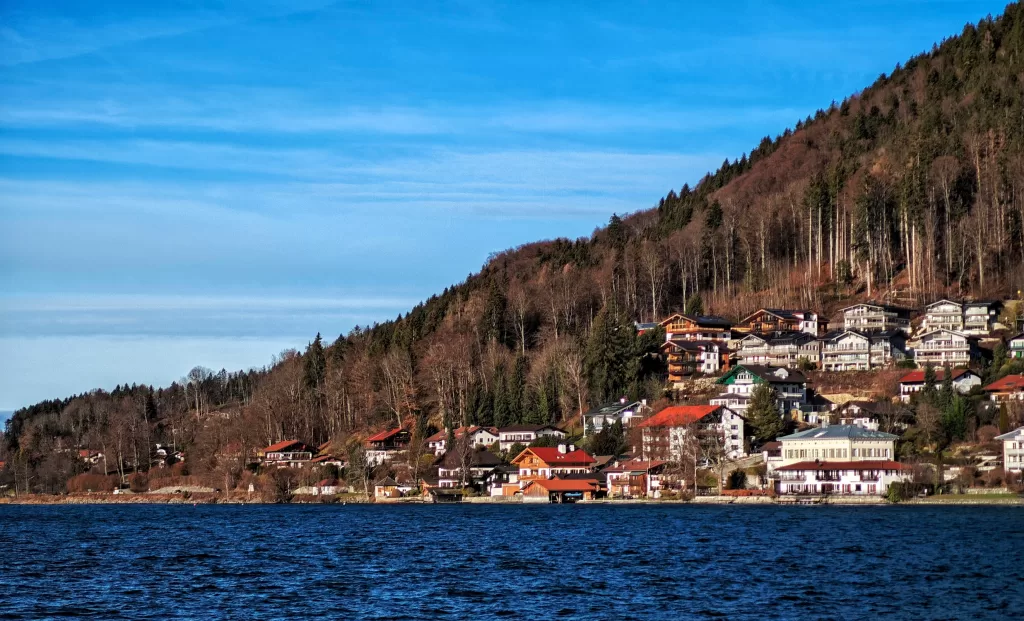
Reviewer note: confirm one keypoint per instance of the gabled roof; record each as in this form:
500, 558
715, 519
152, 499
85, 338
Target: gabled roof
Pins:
704, 321
284, 445
846, 465
516, 428
551, 456
692, 346
680, 415
441, 435
477, 459
781, 313
385, 435
839, 431
614, 408
1017, 337
945, 301
772, 375
917, 376
565, 485
637, 466
1008, 383
1010, 435
931, 332
886, 307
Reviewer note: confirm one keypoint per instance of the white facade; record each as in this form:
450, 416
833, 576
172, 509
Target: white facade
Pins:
525, 434
980, 318
942, 347
963, 381
853, 351
1013, 450
837, 443
875, 318
944, 315
851, 478
790, 387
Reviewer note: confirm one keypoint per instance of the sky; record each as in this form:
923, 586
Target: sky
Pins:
189, 184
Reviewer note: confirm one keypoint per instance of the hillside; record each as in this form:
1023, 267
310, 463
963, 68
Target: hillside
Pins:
909, 190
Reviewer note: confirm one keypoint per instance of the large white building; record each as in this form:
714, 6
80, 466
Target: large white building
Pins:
941, 347
852, 350
870, 317
1013, 450
838, 459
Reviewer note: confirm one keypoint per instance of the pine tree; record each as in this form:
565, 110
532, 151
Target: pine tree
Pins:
763, 414
611, 363
694, 305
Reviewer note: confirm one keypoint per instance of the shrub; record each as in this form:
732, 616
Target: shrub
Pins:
138, 482
92, 483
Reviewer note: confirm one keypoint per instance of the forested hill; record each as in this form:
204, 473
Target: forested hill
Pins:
909, 190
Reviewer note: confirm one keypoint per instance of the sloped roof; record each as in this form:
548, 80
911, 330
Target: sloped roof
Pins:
385, 435
515, 428
283, 445
772, 375
846, 465
917, 376
637, 466
565, 485
1010, 382
477, 459
839, 431
551, 455
679, 415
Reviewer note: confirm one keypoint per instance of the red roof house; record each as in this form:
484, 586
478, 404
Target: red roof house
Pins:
1008, 388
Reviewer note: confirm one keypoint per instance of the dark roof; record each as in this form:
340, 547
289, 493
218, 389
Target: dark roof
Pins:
478, 459
612, 408
768, 374
289, 444
839, 431
515, 428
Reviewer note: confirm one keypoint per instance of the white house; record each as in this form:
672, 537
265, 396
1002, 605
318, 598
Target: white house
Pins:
941, 347
837, 443
847, 478
913, 382
780, 349
944, 315
479, 437
526, 434
622, 411
870, 317
1013, 450
664, 435
1015, 347
980, 317
852, 350
790, 387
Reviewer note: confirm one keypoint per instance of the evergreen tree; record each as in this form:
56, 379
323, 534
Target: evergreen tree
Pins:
763, 414
315, 364
1004, 419
610, 359
694, 305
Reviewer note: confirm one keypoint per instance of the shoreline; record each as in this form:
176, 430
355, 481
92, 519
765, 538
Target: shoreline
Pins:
221, 499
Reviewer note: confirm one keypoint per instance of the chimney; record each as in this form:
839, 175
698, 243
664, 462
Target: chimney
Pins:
572, 447
561, 448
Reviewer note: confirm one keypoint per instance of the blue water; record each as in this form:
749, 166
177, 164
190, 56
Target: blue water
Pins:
520, 562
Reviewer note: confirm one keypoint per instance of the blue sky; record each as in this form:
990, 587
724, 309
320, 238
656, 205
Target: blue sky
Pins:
184, 184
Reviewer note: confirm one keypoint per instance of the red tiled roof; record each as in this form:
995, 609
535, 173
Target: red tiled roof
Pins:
280, 446
550, 455
384, 435
1008, 383
917, 377
846, 465
441, 435
637, 465
565, 485
679, 415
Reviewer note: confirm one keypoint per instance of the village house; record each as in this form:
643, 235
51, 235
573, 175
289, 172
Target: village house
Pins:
963, 381
1013, 450
1009, 388
386, 445
852, 350
540, 463
324, 487
622, 411
871, 317
872, 415
503, 480
478, 437
941, 347
771, 453
685, 358
664, 435
768, 320
287, 453
980, 317
847, 478
696, 328
837, 443
779, 349
1015, 347
455, 470
790, 387
635, 479
943, 315
90, 456
526, 434
559, 491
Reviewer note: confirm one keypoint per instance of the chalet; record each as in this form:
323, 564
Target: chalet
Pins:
963, 381
790, 387
635, 479
1009, 388
1013, 450
872, 317
941, 347
664, 435
846, 478
980, 317
696, 328
540, 463
872, 415
455, 470
386, 445
686, 358
477, 437
287, 453
526, 434
386, 488
778, 320
558, 491
837, 443
779, 349
944, 315
622, 411
1015, 347
852, 350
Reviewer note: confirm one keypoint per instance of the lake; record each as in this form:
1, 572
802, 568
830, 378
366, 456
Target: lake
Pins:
521, 562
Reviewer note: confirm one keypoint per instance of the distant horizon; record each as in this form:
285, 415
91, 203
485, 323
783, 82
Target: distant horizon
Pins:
167, 202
